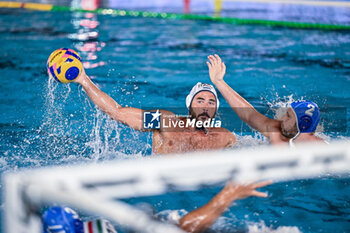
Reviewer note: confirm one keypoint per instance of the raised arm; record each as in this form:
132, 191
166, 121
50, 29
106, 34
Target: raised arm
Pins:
132, 117
243, 109
200, 219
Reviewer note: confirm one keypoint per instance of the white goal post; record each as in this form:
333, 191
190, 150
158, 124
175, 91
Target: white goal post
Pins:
94, 188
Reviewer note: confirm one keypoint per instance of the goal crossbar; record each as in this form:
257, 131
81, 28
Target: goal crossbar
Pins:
94, 188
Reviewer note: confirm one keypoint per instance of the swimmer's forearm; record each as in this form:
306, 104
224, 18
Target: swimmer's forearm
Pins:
246, 111
242, 107
98, 97
131, 117
201, 219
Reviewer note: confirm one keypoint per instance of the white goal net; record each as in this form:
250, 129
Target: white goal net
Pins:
94, 188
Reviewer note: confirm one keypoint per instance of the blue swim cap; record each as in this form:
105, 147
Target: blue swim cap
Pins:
307, 114
59, 219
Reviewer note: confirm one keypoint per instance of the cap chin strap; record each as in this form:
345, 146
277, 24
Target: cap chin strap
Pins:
291, 143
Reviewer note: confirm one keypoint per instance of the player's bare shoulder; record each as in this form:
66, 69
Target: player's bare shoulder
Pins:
225, 136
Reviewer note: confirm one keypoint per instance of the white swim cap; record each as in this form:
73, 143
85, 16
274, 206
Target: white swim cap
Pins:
198, 88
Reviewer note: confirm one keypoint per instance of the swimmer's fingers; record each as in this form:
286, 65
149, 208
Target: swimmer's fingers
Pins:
209, 65
261, 184
218, 58
259, 194
216, 61
223, 67
212, 60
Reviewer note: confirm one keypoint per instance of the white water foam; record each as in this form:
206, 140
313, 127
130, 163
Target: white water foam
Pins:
262, 228
227, 224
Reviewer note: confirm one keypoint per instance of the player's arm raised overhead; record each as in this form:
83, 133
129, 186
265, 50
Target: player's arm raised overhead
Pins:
132, 117
243, 109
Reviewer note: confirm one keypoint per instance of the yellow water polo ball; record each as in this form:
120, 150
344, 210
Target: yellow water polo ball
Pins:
64, 65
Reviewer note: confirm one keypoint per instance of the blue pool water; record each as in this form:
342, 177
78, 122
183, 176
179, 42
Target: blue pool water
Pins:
149, 63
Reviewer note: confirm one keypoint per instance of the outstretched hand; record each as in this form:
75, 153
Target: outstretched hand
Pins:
202, 218
217, 68
241, 191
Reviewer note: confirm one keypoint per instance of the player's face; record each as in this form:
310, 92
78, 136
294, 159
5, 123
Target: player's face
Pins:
203, 106
289, 124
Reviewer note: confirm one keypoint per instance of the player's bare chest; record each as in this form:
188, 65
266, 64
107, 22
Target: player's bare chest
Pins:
195, 140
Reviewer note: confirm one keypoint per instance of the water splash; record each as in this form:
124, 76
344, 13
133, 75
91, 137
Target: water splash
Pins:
253, 140
104, 137
227, 224
262, 228
280, 105
56, 134
87, 134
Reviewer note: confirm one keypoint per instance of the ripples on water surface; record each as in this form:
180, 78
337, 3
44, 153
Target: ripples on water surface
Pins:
154, 62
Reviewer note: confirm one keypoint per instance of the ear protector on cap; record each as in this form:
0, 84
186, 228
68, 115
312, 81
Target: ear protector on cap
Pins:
305, 123
307, 115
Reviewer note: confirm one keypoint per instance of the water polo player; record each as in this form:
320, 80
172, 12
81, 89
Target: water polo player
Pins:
58, 219
178, 134
298, 124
